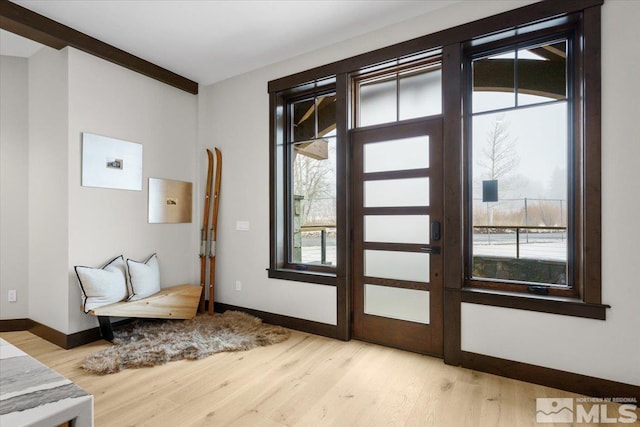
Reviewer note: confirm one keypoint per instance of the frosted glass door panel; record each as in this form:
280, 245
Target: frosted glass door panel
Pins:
396, 155
412, 266
396, 192
397, 303
397, 229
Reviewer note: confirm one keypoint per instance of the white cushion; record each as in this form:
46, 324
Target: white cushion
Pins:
102, 286
144, 277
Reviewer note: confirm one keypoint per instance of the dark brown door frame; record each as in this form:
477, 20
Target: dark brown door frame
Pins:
452, 202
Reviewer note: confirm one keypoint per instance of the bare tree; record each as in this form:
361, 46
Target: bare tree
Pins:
499, 158
312, 180
500, 155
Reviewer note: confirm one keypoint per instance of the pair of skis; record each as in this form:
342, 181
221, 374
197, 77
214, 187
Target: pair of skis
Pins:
208, 235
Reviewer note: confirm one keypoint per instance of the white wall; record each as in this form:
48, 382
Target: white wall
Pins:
602, 349
234, 116
14, 138
71, 92
48, 192
109, 100
240, 129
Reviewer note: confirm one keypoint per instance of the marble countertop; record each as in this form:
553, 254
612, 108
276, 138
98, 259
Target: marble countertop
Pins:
31, 394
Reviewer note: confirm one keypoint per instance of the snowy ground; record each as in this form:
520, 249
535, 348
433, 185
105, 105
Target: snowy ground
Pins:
548, 246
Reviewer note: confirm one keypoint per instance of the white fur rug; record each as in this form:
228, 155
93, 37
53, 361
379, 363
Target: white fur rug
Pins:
150, 343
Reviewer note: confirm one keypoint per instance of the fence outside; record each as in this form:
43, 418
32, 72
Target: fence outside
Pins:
532, 228
523, 211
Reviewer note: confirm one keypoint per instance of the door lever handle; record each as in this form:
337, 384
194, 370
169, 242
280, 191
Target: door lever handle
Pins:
432, 250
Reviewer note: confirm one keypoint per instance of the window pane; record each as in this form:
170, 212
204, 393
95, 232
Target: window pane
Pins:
326, 106
522, 236
397, 303
318, 245
304, 120
399, 154
542, 73
397, 229
420, 94
413, 266
314, 202
378, 102
493, 82
396, 192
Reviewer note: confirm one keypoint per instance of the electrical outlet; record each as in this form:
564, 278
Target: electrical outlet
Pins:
238, 285
12, 295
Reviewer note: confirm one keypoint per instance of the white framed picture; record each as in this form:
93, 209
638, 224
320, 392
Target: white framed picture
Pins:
111, 163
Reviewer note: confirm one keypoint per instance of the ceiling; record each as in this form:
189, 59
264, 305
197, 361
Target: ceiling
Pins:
208, 41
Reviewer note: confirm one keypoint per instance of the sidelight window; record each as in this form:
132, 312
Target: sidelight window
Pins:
312, 178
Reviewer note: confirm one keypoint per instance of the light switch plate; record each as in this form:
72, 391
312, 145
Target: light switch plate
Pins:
242, 225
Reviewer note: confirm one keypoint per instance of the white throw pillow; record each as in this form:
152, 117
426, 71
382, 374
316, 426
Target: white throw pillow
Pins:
144, 277
102, 286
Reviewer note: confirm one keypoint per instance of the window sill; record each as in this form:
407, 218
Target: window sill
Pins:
329, 279
540, 303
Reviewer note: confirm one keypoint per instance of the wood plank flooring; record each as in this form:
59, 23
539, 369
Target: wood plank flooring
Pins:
305, 381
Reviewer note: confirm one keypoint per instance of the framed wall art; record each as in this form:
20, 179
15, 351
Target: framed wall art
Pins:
111, 163
169, 201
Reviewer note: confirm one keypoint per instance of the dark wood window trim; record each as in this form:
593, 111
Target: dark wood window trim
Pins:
339, 277
584, 300
545, 304
303, 276
451, 42
566, 31
280, 266
453, 269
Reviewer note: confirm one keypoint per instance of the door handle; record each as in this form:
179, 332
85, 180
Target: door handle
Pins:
432, 250
435, 231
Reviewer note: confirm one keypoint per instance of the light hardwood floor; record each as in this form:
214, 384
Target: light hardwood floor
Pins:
305, 381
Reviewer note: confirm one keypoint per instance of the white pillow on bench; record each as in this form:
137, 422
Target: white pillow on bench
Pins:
102, 286
144, 277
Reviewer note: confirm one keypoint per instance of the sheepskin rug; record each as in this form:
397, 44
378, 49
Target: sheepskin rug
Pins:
149, 343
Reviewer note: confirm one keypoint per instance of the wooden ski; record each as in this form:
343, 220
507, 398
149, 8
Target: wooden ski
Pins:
205, 227
214, 230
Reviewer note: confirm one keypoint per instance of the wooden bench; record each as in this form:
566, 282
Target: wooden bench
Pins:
176, 302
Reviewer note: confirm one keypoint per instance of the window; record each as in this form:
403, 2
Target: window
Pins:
519, 95
525, 164
403, 89
304, 226
520, 154
312, 179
